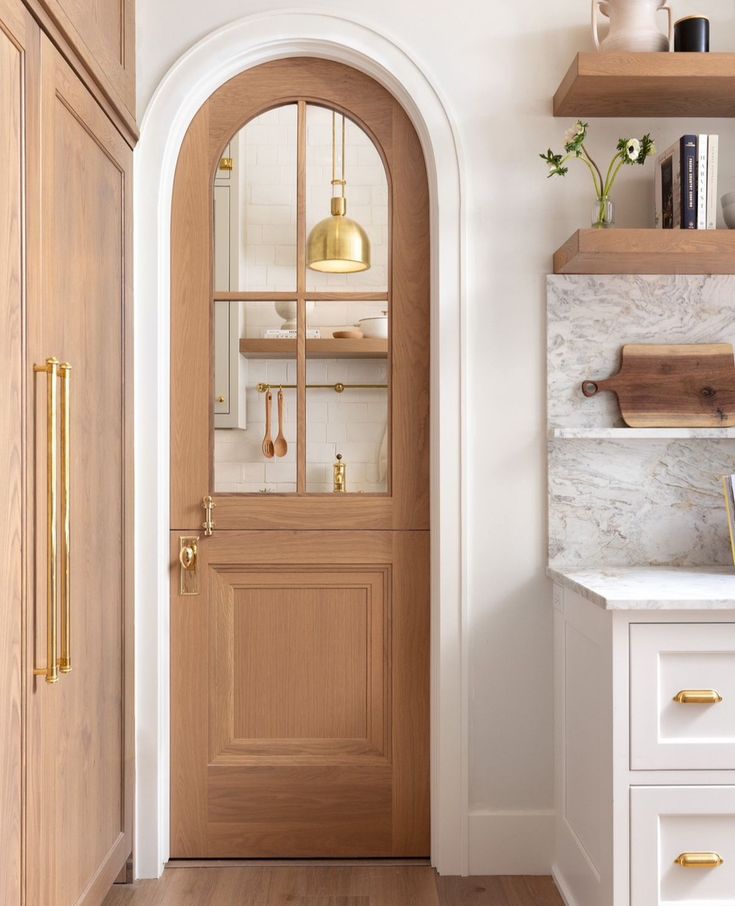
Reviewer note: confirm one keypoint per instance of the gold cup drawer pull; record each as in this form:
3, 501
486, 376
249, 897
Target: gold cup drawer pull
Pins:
698, 697
51, 370
699, 860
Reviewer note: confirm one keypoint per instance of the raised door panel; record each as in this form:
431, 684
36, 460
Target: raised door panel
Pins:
102, 32
80, 738
18, 54
311, 739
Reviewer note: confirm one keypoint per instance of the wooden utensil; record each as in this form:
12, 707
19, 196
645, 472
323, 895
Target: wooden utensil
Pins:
280, 446
268, 450
688, 386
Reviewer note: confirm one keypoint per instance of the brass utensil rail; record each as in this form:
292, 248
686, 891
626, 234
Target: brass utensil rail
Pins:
338, 387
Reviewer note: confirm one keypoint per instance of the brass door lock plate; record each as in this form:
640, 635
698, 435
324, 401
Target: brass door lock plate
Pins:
189, 565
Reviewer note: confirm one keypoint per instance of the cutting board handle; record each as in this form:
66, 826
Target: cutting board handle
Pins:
591, 388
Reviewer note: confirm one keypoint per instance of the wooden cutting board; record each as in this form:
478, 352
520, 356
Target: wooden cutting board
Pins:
689, 386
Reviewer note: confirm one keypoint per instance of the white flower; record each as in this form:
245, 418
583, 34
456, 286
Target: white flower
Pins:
573, 133
633, 148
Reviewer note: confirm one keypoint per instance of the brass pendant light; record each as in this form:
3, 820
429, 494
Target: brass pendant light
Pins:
338, 245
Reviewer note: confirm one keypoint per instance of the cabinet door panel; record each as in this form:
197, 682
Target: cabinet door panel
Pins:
102, 32
80, 735
18, 55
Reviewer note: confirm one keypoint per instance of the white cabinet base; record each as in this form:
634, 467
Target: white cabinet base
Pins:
631, 786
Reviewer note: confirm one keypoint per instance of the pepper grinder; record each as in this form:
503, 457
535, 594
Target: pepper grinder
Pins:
340, 475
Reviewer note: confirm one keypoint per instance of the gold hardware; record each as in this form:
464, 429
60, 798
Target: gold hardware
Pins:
699, 860
337, 244
698, 697
340, 475
338, 388
51, 369
226, 163
188, 554
65, 659
208, 524
188, 560
220, 399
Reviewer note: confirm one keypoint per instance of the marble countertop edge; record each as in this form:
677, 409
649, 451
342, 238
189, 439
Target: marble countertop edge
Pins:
651, 587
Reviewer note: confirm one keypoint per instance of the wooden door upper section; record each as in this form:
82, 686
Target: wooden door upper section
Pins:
99, 34
300, 82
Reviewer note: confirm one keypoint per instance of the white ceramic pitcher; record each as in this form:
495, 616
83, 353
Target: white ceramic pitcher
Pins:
633, 26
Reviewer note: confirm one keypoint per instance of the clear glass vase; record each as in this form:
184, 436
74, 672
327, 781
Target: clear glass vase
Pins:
603, 213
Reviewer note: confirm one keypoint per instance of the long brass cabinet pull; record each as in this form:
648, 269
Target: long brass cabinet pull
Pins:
698, 697
55, 370
65, 659
699, 860
51, 369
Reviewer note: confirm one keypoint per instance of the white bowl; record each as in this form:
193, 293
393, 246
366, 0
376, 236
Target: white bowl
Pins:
728, 209
374, 328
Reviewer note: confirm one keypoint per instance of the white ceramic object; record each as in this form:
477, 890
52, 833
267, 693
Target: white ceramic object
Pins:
287, 311
633, 26
728, 209
374, 328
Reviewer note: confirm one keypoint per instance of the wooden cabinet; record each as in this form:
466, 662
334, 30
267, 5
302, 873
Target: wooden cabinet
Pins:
98, 38
66, 748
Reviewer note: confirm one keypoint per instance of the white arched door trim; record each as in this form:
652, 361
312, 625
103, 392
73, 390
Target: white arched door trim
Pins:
191, 80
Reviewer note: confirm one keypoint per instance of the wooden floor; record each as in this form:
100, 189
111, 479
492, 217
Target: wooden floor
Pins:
364, 885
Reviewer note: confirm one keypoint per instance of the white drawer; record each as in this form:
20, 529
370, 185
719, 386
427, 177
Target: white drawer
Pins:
668, 822
669, 658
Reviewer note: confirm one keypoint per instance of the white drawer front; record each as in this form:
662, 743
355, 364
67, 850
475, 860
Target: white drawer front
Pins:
669, 822
669, 658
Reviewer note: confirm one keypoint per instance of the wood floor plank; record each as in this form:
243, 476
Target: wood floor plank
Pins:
509, 890
356, 885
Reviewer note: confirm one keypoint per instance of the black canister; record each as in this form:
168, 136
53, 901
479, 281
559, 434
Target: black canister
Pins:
691, 35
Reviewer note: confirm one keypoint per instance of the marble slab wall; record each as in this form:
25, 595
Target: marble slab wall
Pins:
631, 501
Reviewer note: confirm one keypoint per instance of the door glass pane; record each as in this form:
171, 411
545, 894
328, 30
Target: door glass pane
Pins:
257, 235
366, 193
354, 422
241, 465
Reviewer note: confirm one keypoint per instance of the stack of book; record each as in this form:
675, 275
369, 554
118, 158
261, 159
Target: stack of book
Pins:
686, 184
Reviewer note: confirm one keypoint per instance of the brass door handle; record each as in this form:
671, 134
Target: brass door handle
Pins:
65, 659
51, 370
699, 860
698, 697
220, 399
188, 555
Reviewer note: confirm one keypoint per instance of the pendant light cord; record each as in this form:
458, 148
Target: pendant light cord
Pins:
338, 182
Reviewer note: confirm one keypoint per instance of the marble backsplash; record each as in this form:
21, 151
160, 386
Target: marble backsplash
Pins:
631, 501
590, 318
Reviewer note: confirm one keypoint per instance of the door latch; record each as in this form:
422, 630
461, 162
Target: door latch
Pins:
189, 565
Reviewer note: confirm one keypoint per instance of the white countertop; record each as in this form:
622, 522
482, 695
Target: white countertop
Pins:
652, 587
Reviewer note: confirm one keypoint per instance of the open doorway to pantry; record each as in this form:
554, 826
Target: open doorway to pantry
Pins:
300, 625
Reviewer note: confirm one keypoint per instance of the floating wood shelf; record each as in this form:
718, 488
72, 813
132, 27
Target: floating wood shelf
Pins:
648, 84
647, 252
315, 349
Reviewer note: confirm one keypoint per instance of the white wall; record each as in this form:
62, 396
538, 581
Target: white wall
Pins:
496, 67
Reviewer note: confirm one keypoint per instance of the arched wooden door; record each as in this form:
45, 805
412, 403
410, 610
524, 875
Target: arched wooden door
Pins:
300, 632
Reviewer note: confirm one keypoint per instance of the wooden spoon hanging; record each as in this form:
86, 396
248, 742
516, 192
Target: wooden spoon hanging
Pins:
268, 450
280, 447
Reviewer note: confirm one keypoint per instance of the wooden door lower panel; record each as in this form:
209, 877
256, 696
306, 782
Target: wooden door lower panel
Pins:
300, 696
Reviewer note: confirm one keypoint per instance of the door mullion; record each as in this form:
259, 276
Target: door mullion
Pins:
301, 301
